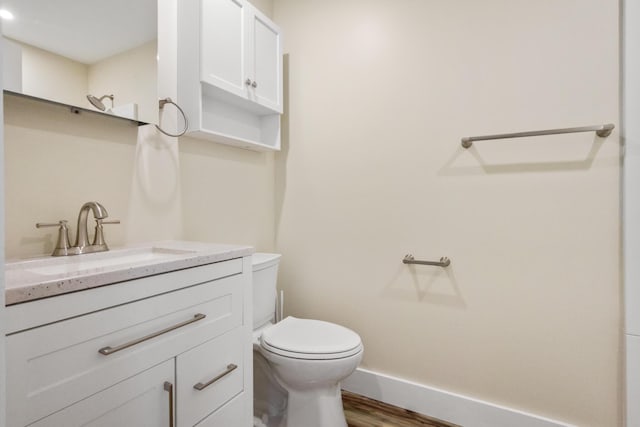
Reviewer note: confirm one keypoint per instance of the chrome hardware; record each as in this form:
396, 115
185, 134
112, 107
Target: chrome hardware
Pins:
169, 387
602, 131
254, 84
82, 240
52, 224
97, 102
247, 82
62, 245
81, 245
110, 350
444, 261
161, 104
230, 368
98, 239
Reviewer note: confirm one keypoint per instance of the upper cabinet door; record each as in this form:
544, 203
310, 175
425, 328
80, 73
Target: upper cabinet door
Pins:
224, 57
241, 52
265, 45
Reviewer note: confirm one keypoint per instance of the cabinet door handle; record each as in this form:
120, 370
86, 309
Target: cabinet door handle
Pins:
254, 84
248, 82
110, 350
230, 368
169, 387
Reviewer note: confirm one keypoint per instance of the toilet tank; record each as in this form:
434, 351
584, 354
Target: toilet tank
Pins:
265, 278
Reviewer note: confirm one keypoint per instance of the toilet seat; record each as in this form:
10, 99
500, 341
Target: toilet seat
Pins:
310, 339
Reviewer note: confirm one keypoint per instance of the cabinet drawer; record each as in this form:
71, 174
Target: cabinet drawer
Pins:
233, 413
43, 311
217, 368
56, 365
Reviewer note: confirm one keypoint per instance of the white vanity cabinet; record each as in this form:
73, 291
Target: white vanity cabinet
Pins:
229, 80
167, 350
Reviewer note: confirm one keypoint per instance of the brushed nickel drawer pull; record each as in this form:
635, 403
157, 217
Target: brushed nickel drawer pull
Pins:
169, 387
110, 350
230, 368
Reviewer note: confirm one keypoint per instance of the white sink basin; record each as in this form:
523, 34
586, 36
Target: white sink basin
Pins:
79, 264
47, 276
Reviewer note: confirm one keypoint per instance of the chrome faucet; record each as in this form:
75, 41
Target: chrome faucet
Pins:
82, 245
82, 239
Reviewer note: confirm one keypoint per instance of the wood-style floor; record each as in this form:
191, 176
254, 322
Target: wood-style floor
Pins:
361, 411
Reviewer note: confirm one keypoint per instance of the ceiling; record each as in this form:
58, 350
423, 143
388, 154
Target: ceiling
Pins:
86, 31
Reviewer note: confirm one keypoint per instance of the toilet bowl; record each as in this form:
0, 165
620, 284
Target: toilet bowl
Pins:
298, 363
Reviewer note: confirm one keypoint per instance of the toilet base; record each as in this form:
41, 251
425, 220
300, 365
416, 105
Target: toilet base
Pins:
269, 398
318, 408
310, 380
278, 405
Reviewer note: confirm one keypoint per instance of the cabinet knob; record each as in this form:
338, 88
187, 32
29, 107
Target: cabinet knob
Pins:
254, 84
248, 82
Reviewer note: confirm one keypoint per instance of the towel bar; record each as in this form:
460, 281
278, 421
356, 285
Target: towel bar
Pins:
444, 261
600, 130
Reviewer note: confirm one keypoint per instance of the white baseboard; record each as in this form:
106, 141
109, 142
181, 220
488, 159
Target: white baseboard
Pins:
446, 406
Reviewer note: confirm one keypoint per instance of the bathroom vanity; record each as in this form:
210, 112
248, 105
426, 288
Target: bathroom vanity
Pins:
151, 336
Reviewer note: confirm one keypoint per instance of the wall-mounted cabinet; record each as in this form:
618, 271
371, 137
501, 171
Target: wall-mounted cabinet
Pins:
229, 72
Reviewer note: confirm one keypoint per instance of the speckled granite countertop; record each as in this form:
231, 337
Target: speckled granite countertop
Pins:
35, 278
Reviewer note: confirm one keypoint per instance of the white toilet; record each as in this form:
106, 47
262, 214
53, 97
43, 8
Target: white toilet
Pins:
298, 363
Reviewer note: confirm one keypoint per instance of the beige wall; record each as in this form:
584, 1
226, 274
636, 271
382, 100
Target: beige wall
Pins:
264, 6
131, 77
159, 188
379, 95
55, 161
227, 194
50, 76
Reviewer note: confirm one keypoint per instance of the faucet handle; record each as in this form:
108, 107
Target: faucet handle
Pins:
63, 245
99, 236
61, 223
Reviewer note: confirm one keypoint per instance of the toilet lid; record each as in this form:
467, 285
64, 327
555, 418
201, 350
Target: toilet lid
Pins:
306, 338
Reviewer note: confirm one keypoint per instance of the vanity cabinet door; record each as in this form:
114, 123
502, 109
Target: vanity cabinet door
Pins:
224, 59
142, 401
209, 376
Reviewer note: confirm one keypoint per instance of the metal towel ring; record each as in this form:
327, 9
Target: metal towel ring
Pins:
161, 104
